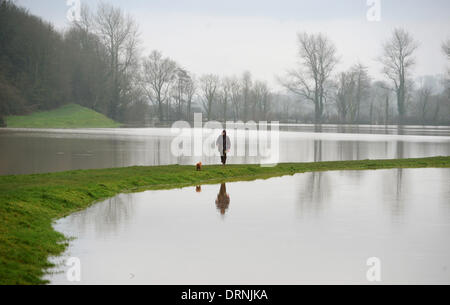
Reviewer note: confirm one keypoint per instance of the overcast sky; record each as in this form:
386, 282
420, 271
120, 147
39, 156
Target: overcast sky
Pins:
230, 36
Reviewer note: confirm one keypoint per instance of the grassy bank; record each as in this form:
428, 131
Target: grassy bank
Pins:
29, 204
68, 116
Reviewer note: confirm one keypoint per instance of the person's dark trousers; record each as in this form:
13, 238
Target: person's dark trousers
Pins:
224, 158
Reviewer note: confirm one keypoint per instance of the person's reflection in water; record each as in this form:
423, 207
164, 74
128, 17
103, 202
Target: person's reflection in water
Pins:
223, 200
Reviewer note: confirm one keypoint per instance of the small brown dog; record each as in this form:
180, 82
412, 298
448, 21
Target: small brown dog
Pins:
199, 166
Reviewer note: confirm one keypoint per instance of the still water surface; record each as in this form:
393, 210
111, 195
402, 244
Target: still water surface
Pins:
313, 228
29, 151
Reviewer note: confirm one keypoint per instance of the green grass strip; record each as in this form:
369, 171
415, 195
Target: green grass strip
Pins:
68, 116
30, 203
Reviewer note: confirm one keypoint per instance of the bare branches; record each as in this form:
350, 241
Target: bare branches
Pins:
246, 83
397, 60
398, 54
157, 77
225, 96
423, 95
209, 85
236, 97
446, 48
262, 100
86, 21
297, 84
317, 61
345, 94
362, 86
119, 36
118, 32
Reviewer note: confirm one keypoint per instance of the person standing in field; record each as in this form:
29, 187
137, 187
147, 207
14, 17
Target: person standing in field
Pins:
224, 145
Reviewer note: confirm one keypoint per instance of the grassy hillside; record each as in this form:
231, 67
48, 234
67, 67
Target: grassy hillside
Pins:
29, 204
68, 116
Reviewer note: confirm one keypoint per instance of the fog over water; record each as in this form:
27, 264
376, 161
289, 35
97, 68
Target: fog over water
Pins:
41, 151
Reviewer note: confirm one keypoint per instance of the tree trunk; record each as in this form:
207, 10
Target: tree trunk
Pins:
188, 110
387, 111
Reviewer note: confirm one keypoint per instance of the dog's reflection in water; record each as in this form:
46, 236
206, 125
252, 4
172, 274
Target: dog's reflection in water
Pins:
223, 200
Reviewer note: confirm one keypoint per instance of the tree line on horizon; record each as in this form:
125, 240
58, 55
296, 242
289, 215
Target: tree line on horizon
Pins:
98, 63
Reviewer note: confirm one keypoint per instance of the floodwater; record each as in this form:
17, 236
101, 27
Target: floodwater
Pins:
29, 151
313, 228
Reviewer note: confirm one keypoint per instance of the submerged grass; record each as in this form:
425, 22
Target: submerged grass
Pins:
29, 204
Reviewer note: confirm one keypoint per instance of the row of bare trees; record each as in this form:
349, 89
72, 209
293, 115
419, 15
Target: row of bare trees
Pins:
314, 80
169, 90
235, 98
158, 85
98, 64
173, 90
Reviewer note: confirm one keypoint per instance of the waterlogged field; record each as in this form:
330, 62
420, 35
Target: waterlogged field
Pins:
312, 228
29, 151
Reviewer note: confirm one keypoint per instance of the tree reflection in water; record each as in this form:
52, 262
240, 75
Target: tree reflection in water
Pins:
106, 218
315, 189
398, 209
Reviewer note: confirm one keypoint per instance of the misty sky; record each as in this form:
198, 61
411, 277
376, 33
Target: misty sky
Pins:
229, 37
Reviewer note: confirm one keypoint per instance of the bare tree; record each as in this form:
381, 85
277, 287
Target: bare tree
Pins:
86, 21
262, 96
120, 35
362, 86
246, 86
424, 96
225, 96
94, 60
352, 89
345, 94
317, 61
397, 60
236, 98
209, 86
446, 48
157, 79
191, 90
382, 92
182, 91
